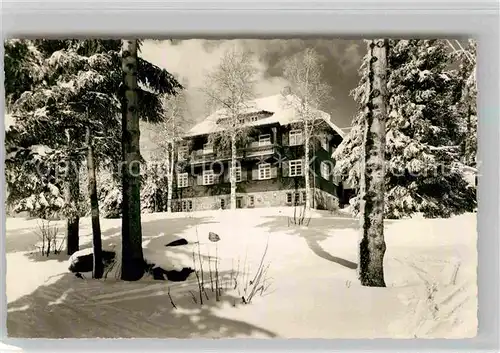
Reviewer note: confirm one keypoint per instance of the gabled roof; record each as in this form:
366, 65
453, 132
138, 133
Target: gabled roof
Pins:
283, 114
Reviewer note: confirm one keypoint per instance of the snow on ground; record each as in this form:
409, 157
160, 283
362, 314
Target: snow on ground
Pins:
430, 269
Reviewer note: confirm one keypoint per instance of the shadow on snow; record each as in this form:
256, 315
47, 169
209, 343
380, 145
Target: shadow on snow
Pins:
75, 308
315, 232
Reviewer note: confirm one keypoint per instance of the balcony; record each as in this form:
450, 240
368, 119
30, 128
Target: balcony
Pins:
254, 149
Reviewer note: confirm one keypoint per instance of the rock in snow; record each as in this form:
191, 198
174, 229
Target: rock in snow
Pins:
174, 276
83, 260
180, 241
172, 263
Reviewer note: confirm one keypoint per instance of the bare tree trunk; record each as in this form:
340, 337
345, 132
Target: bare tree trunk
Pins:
306, 165
98, 268
232, 174
170, 177
372, 245
72, 195
132, 254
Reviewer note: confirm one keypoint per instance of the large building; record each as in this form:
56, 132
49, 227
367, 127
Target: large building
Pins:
271, 164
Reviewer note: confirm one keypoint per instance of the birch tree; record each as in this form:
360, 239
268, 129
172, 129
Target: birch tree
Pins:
171, 129
303, 72
372, 245
230, 87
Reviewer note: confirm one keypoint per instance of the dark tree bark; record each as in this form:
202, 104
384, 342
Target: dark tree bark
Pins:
132, 255
98, 268
372, 245
72, 234
71, 196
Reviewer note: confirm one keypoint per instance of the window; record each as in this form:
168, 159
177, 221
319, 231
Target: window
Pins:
182, 180
289, 197
264, 171
251, 201
182, 152
325, 170
208, 177
324, 142
295, 137
297, 198
241, 121
264, 140
185, 206
295, 168
304, 197
237, 171
222, 203
254, 118
208, 148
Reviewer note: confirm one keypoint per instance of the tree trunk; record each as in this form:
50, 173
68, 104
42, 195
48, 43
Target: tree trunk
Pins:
170, 178
306, 165
98, 268
232, 174
372, 245
132, 255
72, 195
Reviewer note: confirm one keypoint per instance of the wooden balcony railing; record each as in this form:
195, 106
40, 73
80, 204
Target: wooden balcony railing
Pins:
253, 149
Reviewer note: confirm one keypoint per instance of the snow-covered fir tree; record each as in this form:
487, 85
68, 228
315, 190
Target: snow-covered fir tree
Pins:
466, 96
423, 155
73, 85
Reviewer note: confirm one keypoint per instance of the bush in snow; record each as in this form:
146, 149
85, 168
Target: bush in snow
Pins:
240, 281
48, 238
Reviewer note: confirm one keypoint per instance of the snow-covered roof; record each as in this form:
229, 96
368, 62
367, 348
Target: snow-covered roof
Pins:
283, 114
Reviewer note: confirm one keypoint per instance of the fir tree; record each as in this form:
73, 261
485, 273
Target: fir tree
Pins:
422, 130
74, 85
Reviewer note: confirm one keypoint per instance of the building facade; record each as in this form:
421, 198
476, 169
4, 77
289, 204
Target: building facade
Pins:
271, 163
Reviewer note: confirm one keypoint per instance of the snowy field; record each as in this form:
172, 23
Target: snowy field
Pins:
311, 289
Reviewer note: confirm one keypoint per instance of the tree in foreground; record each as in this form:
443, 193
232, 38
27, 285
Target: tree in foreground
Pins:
98, 267
372, 245
303, 72
230, 88
132, 254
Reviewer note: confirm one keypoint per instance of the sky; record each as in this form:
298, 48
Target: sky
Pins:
190, 60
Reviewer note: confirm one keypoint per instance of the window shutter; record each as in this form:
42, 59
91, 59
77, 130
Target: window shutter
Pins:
284, 168
199, 179
244, 174
227, 175
255, 173
274, 172
285, 138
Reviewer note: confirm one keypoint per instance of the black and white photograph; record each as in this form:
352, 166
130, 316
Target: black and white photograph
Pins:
241, 188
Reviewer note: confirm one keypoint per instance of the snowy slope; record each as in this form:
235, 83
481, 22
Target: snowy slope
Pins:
430, 268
